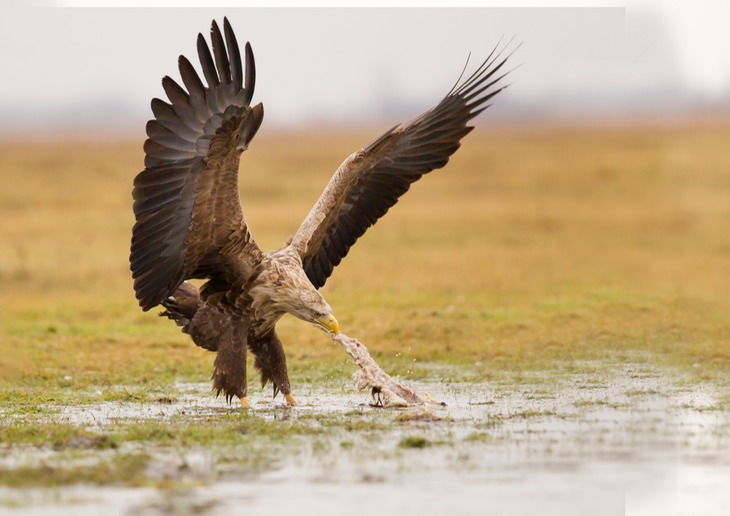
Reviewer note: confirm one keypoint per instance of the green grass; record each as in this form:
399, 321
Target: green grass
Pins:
414, 442
121, 469
119, 452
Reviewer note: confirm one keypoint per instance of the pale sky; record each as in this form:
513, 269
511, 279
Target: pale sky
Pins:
99, 67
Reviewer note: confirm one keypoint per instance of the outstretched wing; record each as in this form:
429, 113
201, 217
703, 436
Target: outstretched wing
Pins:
189, 221
372, 180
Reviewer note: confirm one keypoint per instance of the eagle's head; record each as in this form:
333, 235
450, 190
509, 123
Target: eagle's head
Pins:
309, 305
283, 287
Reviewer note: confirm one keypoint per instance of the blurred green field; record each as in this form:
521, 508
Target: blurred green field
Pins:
534, 249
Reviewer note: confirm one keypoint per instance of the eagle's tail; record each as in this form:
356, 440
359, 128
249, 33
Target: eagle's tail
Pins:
202, 322
182, 305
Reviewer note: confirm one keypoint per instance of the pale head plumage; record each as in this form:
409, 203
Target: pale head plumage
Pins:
282, 287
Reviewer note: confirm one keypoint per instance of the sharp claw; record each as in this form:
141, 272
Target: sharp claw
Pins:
244, 403
377, 395
290, 400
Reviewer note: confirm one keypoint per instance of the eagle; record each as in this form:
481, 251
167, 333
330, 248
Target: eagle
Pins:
190, 223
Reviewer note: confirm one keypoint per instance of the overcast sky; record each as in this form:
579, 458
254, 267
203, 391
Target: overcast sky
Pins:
99, 67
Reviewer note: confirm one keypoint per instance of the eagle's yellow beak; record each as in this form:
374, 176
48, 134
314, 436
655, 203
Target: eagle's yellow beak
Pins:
330, 323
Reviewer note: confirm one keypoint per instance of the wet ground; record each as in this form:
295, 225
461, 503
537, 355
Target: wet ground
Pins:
629, 439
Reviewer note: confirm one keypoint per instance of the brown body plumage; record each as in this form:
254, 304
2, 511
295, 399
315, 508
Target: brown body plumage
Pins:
190, 224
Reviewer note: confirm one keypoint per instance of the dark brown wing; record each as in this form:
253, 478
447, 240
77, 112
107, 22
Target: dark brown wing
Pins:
189, 221
371, 180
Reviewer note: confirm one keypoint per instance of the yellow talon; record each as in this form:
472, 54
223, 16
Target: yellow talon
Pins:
290, 400
245, 403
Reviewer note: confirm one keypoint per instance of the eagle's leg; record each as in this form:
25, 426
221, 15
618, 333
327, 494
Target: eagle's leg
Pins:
271, 363
213, 330
229, 373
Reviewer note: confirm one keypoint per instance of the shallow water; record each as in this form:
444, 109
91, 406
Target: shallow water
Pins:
628, 440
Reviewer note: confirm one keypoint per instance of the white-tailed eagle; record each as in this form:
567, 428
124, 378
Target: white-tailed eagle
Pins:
189, 221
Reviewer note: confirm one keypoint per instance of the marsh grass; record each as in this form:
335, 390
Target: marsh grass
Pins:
535, 250
414, 442
120, 469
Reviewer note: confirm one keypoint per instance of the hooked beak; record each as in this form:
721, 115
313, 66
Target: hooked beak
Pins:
329, 323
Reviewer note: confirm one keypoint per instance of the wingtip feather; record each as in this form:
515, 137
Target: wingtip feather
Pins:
234, 54
250, 73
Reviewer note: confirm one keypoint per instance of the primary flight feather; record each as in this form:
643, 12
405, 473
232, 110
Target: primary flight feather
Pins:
190, 223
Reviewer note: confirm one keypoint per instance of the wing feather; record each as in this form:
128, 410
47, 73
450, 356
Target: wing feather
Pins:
190, 78
250, 73
168, 138
177, 95
207, 63
188, 214
165, 116
371, 181
219, 51
235, 55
